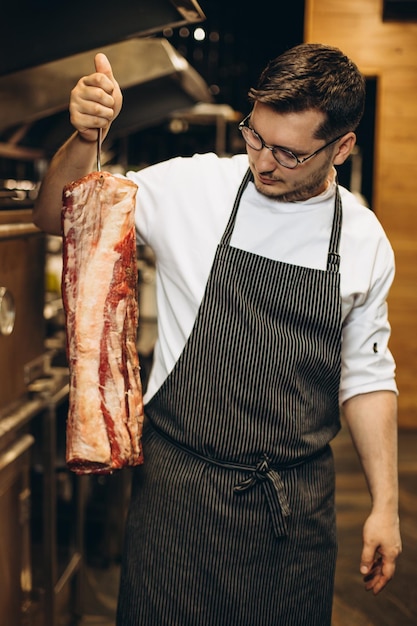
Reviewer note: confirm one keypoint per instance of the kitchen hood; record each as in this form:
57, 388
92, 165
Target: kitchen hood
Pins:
46, 49
154, 77
34, 33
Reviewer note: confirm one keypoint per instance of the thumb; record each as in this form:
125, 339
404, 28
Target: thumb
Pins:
102, 65
367, 559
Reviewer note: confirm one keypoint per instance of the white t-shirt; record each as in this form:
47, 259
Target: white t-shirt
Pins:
183, 206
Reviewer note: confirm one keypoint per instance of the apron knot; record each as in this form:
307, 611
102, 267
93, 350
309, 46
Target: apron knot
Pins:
274, 491
259, 474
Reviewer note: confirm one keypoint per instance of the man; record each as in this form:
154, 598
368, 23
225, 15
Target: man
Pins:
272, 287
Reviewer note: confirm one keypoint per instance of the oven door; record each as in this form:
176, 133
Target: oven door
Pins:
15, 562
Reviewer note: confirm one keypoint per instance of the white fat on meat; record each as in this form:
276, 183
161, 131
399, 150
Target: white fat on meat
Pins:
99, 292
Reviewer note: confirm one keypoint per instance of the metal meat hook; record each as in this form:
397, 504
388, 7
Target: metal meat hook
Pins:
99, 133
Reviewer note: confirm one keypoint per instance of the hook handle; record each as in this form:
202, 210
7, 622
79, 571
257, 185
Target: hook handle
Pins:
99, 132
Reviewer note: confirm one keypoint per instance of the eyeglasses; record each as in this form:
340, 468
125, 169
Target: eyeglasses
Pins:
284, 157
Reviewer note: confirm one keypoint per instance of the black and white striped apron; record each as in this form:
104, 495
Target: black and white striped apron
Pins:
232, 519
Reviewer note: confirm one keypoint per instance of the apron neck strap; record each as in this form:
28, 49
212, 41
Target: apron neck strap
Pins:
333, 257
227, 235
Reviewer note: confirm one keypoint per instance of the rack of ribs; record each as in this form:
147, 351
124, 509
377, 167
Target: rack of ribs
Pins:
99, 291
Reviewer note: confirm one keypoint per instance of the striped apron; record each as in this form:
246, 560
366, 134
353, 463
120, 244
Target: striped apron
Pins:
232, 519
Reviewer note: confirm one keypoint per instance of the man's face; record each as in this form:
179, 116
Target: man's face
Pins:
294, 132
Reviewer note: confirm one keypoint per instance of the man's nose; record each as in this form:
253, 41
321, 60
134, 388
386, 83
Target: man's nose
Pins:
265, 160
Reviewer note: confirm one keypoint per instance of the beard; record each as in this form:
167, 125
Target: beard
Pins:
300, 190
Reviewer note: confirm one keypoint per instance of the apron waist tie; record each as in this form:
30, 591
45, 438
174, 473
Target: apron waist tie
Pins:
265, 474
274, 491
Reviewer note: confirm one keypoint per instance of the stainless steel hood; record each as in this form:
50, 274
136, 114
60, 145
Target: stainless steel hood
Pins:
34, 33
154, 77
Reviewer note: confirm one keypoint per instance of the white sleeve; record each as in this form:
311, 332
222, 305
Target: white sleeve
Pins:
367, 363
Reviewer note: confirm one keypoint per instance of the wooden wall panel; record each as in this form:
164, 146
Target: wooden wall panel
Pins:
387, 50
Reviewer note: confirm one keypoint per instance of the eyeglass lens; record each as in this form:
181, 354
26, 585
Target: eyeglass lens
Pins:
254, 141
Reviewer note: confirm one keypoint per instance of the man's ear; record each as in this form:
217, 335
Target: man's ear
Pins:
344, 149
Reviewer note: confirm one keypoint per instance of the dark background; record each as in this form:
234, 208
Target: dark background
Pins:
240, 41
249, 36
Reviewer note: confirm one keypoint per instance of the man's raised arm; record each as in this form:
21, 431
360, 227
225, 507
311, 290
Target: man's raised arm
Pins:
95, 102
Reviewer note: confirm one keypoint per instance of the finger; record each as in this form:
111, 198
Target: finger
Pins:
374, 573
379, 575
370, 567
377, 584
368, 558
93, 101
102, 65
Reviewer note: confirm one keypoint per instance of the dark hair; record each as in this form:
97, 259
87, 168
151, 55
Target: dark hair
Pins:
314, 76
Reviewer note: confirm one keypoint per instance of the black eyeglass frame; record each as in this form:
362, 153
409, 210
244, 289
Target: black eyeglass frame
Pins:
297, 160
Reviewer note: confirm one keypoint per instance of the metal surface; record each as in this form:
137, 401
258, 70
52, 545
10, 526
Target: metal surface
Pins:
15, 563
55, 573
34, 33
7, 311
99, 134
154, 77
22, 260
216, 115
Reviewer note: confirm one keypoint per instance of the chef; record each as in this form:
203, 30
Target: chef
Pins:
272, 282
